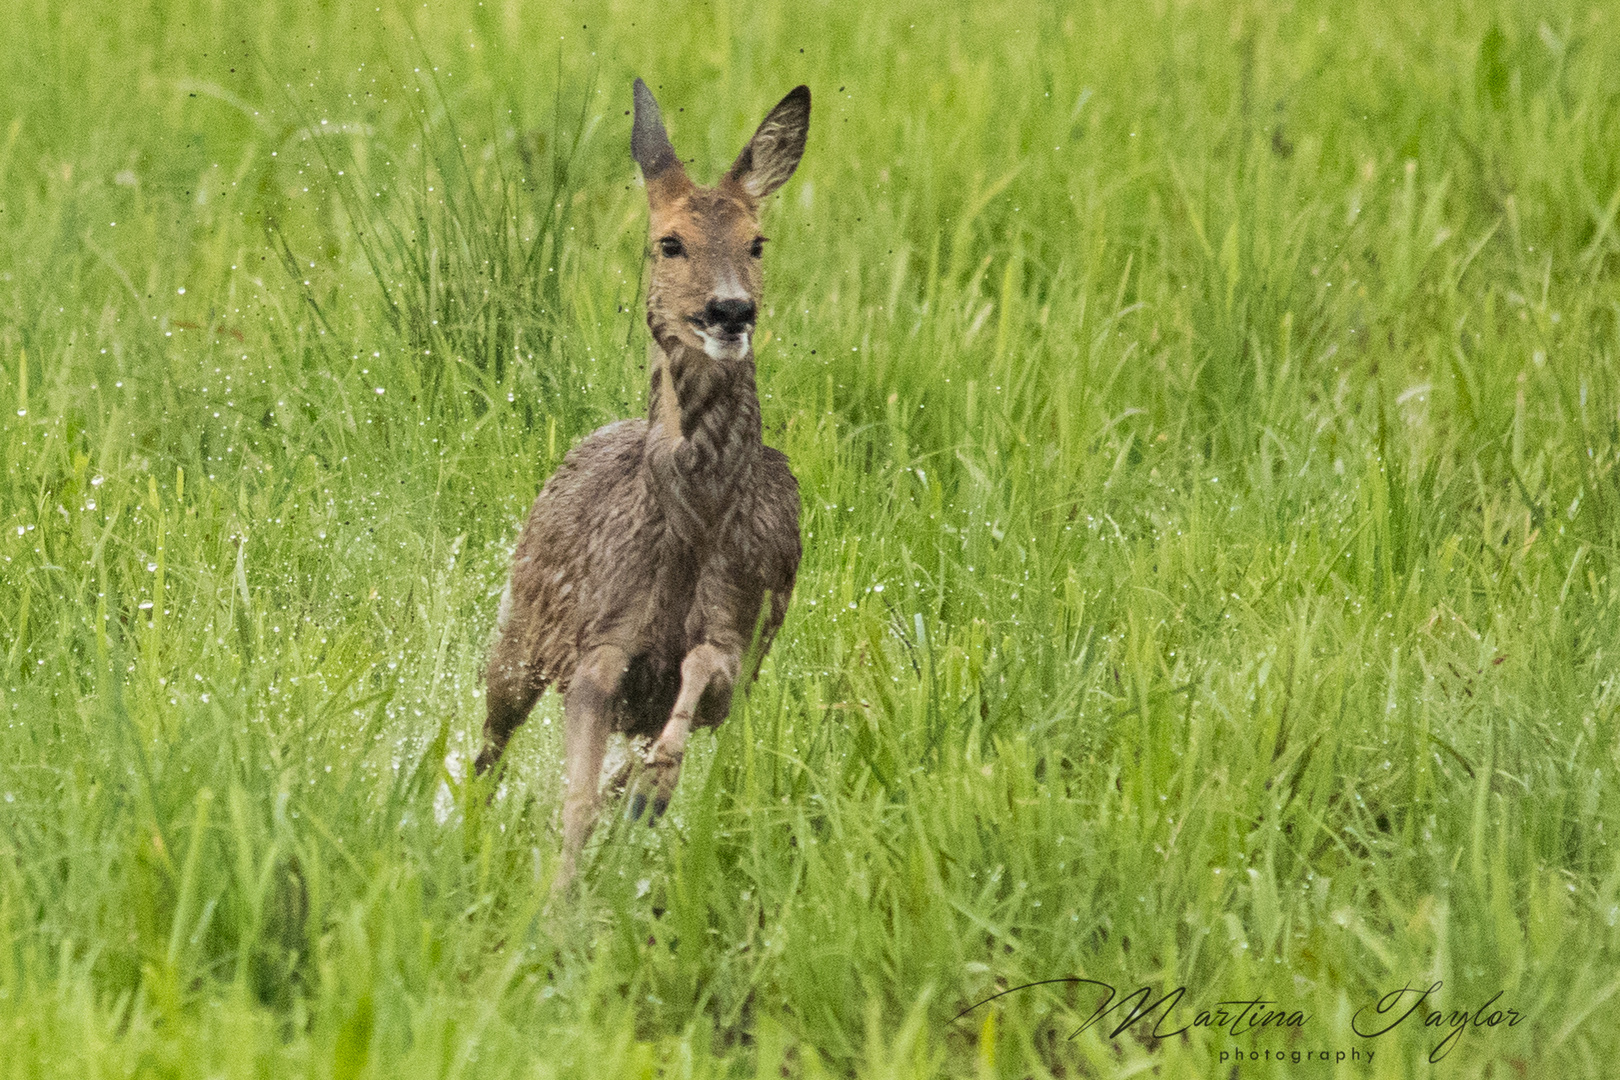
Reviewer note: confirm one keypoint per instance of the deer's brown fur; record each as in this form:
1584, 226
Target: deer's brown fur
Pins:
660, 545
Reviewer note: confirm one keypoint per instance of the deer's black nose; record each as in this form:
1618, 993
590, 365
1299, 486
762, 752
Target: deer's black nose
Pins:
731, 316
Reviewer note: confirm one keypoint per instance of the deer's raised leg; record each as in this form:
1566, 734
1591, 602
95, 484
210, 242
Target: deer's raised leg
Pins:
587, 721
707, 670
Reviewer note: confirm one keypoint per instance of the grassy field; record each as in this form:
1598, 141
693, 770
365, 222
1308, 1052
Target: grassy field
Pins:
1208, 422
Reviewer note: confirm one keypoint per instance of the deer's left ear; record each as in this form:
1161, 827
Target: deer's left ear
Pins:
649, 145
774, 152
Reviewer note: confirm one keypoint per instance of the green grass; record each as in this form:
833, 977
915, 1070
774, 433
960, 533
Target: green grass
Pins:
1208, 422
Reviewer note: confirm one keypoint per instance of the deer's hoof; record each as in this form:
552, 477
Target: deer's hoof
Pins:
638, 806
656, 784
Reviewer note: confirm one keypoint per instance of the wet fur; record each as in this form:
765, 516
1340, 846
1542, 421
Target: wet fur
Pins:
659, 546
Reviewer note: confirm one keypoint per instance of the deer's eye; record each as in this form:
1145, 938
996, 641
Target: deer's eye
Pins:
671, 247
757, 248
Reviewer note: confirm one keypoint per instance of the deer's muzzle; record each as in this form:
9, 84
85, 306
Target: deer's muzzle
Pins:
730, 317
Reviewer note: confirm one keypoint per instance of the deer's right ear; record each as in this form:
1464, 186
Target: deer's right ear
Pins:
774, 152
649, 145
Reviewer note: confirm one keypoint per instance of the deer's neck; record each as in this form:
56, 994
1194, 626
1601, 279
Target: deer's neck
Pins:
703, 436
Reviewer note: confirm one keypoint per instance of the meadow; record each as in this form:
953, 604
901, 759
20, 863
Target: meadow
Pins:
1208, 425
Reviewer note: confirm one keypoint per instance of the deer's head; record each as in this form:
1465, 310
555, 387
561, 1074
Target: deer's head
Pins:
705, 241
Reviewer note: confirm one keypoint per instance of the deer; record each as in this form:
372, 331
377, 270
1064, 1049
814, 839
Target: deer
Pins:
662, 552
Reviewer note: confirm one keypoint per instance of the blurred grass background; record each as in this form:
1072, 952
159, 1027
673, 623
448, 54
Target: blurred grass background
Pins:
1207, 419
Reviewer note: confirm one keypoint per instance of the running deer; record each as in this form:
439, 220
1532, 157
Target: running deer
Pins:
661, 547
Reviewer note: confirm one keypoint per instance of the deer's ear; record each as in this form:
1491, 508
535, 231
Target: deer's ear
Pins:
649, 145
774, 152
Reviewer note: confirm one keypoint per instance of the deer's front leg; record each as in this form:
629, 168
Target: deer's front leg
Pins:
707, 670
587, 720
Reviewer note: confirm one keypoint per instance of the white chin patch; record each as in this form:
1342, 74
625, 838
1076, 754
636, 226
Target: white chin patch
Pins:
724, 348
